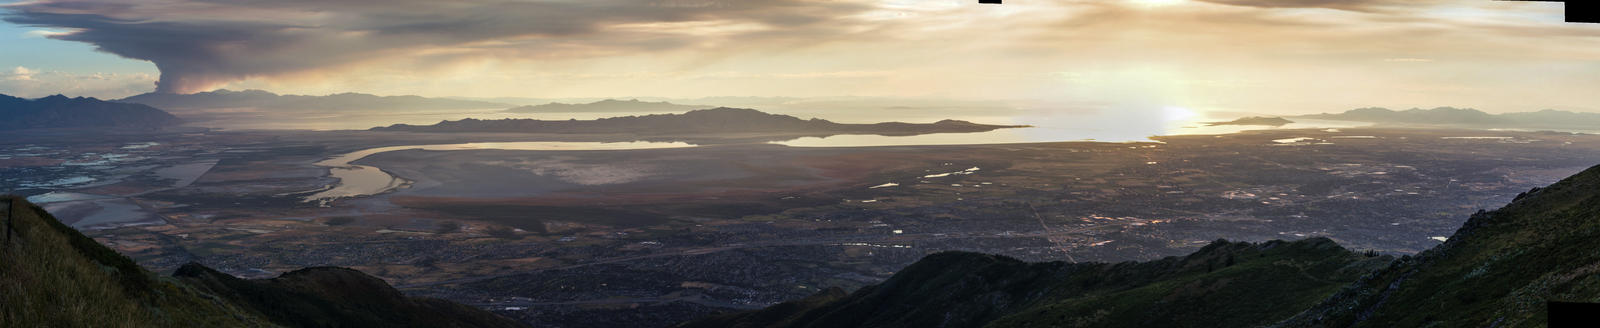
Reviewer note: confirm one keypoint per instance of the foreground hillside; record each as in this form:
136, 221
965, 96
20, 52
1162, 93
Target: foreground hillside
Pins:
1225, 284
1498, 270
52, 275
61, 112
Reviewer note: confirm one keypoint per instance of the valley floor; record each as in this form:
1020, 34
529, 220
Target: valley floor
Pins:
598, 238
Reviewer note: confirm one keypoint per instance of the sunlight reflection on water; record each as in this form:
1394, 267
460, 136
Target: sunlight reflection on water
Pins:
1049, 124
361, 180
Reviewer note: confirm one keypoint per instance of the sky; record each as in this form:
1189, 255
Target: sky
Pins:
1257, 56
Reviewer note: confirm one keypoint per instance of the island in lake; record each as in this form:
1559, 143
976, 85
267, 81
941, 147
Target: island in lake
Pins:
608, 106
1451, 117
1254, 120
697, 122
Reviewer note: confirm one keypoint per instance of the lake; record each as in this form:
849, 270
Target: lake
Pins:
362, 180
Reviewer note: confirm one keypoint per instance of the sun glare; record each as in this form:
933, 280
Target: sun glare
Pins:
1174, 113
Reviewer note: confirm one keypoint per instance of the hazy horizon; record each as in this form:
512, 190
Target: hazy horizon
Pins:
1277, 58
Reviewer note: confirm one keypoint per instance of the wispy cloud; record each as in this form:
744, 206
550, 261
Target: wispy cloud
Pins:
1247, 54
20, 74
197, 44
42, 33
27, 82
1352, 5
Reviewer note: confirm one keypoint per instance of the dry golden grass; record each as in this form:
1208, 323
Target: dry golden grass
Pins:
47, 281
43, 286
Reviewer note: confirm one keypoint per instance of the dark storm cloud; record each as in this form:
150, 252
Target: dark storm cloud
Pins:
197, 44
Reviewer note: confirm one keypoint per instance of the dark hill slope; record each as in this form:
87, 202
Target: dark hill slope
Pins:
61, 112
1498, 270
52, 275
1225, 284
336, 297
715, 120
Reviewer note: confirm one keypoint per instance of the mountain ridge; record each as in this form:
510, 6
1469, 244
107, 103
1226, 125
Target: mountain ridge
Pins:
1497, 270
58, 111
54, 274
714, 120
335, 296
261, 99
1465, 117
961, 289
607, 106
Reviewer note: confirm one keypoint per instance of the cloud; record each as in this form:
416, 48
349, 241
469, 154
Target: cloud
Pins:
20, 74
198, 44
42, 33
31, 83
1350, 5
1285, 55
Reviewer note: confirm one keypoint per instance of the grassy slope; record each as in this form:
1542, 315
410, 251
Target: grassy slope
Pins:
54, 276
337, 297
1224, 284
1267, 283
1497, 270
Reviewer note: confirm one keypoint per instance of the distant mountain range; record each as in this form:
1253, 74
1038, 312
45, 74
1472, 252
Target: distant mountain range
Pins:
53, 275
704, 121
223, 99
61, 112
1497, 270
721, 101
608, 106
1466, 117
